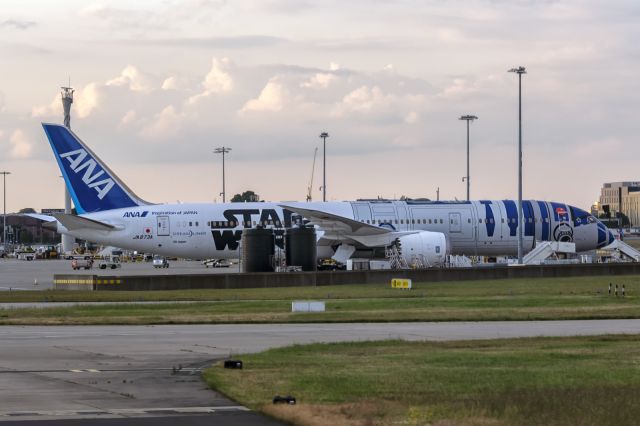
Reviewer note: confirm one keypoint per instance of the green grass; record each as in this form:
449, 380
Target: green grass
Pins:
521, 299
542, 381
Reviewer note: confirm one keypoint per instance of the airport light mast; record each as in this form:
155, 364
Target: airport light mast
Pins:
223, 150
67, 100
4, 205
468, 118
324, 136
520, 70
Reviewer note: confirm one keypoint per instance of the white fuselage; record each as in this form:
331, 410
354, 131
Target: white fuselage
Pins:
199, 231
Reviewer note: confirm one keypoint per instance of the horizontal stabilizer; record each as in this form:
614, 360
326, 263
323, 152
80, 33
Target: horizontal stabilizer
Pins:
43, 217
73, 222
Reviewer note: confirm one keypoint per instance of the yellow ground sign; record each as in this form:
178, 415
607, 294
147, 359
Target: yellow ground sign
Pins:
404, 283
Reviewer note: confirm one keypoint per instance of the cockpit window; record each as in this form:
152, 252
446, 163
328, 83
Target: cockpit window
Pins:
591, 219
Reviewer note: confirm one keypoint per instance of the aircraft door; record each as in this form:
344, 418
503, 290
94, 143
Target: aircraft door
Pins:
455, 222
362, 211
403, 217
163, 226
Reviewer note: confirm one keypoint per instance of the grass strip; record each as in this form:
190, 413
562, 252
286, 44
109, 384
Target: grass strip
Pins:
521, 299
539, 381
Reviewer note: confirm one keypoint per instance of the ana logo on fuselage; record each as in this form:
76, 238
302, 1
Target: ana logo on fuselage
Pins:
135, 214
90, 177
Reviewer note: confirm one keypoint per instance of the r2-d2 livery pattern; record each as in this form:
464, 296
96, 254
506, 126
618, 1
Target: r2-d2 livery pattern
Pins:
488, 227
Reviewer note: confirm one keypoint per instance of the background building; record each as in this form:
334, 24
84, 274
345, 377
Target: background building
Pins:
621, 197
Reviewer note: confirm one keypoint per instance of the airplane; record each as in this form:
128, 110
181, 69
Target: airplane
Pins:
110, 213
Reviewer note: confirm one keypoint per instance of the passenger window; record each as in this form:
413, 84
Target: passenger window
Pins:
190, 224
429, 221
491, 220
441, 221
401, 221
468, 220
413, 221
396, 221
367, 221
479, 220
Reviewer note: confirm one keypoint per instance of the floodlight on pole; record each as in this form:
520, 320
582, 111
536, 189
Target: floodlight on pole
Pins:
519, 71
4, 208
468, 119
222, 150
324, 136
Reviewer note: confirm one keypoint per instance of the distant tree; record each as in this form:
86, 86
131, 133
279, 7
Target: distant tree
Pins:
245, 197
27, 210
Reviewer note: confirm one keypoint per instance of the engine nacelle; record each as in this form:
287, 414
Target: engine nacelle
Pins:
423, 248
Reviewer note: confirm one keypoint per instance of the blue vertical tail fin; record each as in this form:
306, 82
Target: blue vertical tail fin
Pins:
93, 186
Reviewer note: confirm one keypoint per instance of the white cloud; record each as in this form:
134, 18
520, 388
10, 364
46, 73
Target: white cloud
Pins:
128, 117
174, 82
362, 100
411, 117
218, 80
458, 87
271, 98
334, 66
132, 78
166, 125
21, 147
53, 108
86, 100
319, 81
2, 104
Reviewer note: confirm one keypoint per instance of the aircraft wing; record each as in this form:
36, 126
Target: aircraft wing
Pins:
332, 223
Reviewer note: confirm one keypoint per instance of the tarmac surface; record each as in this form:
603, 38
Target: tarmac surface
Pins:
21, 274
143, 375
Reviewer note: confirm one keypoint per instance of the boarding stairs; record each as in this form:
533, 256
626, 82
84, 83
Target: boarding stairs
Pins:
546, 249
458, 261
624, 249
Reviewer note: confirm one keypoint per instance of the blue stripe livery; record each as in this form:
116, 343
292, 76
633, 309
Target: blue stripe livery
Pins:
490, 222
544, 215
512, 216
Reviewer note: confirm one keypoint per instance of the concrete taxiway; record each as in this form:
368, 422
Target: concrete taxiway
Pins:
22, 274
133, 374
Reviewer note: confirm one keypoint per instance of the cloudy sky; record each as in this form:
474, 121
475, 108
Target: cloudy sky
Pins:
160, 84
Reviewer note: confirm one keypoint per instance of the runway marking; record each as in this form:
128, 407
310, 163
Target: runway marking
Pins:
151, 411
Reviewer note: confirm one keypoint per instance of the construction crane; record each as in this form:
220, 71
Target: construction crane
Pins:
313, 169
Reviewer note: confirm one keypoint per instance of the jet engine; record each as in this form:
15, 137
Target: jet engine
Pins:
423, 248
